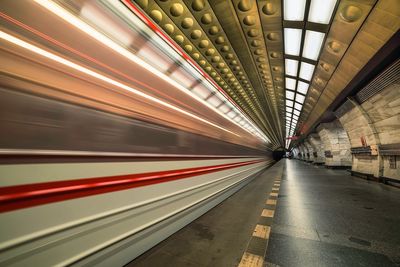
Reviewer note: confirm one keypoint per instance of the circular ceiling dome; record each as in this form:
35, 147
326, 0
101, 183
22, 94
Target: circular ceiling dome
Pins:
350, 13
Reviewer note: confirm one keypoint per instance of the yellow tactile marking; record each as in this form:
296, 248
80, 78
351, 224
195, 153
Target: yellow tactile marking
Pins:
251, 260
271, 202
262, 231
273, 194
267, 213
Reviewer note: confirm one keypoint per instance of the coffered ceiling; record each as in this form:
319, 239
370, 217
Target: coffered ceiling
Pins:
283, 62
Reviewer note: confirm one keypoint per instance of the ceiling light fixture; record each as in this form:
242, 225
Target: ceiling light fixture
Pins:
290, 83
294, 9
306, 71
292, 41
289, 94
302, 87
312, 44
291, 67
321, 11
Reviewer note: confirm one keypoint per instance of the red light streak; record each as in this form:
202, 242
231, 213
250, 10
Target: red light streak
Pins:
29, 195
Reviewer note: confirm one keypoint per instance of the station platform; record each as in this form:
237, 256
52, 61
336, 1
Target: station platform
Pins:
292, 214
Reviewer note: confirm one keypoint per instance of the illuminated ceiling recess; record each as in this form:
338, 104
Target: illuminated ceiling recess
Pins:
305, 25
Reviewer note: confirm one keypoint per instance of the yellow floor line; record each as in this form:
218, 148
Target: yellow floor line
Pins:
262, 231
251, 260
267, 213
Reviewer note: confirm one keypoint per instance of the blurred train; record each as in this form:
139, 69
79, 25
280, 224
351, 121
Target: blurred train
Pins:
111, 138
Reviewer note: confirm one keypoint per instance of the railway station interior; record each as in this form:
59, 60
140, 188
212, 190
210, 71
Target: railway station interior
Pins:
215, 133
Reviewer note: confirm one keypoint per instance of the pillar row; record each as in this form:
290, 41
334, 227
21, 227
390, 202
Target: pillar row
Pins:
373, 128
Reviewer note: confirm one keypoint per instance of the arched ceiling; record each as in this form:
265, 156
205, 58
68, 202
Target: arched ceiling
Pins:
282, 62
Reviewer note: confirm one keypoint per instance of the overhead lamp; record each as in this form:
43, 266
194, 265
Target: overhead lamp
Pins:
288, 109
302, 87
296, 112
291, 66
298, 106
294, 9
300, 98
321, 11
306, 71
312, 44
289, 94
289, 103
292, 41
295, 117
290, 83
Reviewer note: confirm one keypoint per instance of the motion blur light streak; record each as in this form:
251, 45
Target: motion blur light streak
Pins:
62, 45
75, 21
37, 50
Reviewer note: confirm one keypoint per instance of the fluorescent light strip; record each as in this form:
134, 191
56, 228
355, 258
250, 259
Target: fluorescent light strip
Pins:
289, 95
290, 83
312, 44
292, 41
302, 87
294, 9
306, 71
300, 98
44, 53
321, 11
73, 20
291, 67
